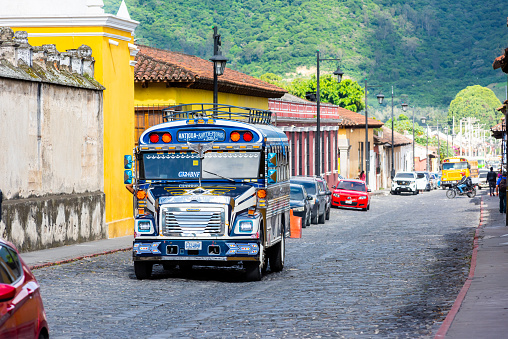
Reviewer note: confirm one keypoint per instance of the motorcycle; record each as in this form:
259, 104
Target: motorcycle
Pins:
453, 191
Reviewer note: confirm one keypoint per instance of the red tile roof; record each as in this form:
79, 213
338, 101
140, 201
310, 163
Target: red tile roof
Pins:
182, 70
398, 139
356, 119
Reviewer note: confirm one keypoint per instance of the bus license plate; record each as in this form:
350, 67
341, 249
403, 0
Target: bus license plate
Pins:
193, 245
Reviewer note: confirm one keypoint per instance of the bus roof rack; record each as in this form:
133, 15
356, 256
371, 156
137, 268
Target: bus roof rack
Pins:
217, 111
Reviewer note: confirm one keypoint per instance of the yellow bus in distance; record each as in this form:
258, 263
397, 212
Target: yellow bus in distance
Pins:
452, 169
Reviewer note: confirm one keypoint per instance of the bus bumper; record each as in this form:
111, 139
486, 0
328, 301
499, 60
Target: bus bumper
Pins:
205, 252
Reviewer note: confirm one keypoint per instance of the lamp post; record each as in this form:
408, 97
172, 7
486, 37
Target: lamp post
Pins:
380, 98
219, 65
404, 108
424, 119
446, 131
339, 75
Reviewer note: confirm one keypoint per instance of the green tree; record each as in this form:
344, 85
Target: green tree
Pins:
347, 94
478, 102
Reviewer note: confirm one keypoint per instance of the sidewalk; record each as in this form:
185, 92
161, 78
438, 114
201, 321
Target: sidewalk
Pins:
60, 255
481, 309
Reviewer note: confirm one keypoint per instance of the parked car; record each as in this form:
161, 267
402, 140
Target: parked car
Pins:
351, 193
318, 201
299, 202
405, 182
22, 313
423, 181
324, 188
482, 179
434, 181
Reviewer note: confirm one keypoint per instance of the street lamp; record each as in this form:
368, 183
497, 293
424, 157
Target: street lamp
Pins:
380, 98
219, 65
424, 119
339, 75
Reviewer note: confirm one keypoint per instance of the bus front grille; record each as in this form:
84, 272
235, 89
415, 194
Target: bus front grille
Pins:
192, 222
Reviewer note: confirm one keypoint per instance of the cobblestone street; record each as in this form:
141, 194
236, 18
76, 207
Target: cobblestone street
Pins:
393, 271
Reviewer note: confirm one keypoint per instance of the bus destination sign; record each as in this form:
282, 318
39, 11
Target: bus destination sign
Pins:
201, 135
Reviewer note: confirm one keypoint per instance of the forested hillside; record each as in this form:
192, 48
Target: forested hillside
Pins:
428, 49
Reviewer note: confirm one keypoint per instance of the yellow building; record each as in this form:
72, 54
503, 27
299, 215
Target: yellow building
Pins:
164, 78
69, 24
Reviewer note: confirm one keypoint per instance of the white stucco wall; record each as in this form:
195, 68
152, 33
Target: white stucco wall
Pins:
51, 139
38, 8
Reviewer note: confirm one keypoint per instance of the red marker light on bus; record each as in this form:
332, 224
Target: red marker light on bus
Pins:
235, 136
247, 136
166, 137
154, 138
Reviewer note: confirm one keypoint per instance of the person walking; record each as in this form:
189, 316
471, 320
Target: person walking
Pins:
491, 179
362, 176
501, 192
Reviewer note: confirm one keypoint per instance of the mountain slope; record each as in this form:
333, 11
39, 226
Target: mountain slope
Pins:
427, 49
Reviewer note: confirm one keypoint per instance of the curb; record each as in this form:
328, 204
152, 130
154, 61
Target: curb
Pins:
445, 326
66, 261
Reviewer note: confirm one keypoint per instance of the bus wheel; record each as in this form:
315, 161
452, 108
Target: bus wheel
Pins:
277, 256
254, 269
143, 270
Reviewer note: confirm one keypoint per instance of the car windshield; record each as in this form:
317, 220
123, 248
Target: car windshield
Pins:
454, 165
404, 176
351, 185
186, 165
483, 174
296, 193
310, 186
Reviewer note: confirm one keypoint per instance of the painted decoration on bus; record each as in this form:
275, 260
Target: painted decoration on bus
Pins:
201, 136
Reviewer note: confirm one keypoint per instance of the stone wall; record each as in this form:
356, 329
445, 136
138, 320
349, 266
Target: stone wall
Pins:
51, 139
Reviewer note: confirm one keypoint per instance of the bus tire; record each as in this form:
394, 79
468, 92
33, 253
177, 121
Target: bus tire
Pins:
277, 256
143, 269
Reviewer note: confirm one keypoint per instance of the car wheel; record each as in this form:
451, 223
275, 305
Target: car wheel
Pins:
314, 220
327, 217
307, 220
368, 207
277, 256
321, 219
143, 269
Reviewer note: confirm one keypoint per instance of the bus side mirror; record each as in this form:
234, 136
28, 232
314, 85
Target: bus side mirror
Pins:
272, 176
272, 160
127, 177
127, 161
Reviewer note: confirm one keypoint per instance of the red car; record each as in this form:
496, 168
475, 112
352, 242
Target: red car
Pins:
351, 193
22, 314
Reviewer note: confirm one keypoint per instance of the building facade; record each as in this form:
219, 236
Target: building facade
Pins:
51, 132
69, 24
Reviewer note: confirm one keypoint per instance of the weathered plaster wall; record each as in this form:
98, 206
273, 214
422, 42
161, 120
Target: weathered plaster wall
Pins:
52, 138
51, 135
50, 221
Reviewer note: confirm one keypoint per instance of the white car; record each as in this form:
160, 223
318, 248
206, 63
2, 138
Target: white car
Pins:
404, 182
423, 181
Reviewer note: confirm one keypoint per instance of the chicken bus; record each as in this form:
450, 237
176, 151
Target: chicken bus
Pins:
453, 168
211, 188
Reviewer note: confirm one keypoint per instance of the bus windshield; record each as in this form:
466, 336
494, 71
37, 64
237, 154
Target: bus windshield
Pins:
186, 165
454, 165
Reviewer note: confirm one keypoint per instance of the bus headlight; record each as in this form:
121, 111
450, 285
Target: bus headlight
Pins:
245, 226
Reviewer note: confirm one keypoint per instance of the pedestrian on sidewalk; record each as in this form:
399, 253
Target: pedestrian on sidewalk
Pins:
362, 176
501, 192
491, 179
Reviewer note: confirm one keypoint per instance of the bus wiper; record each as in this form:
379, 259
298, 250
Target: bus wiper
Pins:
218, 175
